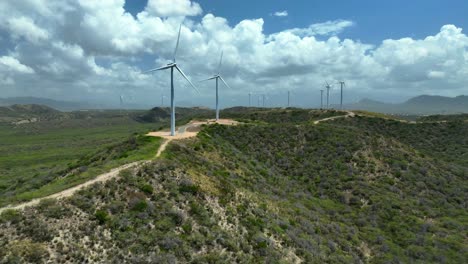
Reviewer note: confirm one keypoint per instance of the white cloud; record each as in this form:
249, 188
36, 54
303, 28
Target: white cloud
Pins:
281, 13
436, 74
25, 27
12, 64
327, 28
167, 8
96, 46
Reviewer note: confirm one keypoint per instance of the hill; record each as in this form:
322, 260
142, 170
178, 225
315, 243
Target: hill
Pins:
61, 105
27, 113
420, 105
183, 114
351, 190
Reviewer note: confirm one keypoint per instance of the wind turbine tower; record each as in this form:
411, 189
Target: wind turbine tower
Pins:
162, 100
328, 86
343, 84
321, 99
289, 96
218, 77
173, 65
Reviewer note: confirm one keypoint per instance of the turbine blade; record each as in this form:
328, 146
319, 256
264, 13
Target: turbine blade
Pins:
177, 44
159, 69
225, 82
220, 62
212, 78
186, 78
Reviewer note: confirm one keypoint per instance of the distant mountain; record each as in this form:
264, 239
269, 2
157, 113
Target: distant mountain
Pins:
420, 105
61, 105
28, 113
160, 113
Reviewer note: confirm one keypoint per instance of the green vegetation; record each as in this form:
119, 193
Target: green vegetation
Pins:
275, 190
438, 118
269, 115
439, 140
50, 155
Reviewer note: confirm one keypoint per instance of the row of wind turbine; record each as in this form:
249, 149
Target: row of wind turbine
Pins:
174, 66
329, 86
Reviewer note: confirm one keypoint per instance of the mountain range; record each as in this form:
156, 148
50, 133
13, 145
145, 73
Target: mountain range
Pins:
420, 105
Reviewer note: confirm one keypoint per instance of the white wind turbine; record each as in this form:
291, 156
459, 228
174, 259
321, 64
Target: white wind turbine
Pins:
321, 99
250, 99
121, 101
173, 65
342, 84
328, 86
218, 77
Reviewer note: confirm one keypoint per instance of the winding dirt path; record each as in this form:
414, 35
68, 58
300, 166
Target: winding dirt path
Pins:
69, 192
349, 114
163, 147
189, 130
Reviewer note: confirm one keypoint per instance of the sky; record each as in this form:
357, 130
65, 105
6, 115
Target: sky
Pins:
97, 51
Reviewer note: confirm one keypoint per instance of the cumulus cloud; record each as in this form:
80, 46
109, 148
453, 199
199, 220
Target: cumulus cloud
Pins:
11, 64
25, 27
281, 13
167, 8
327, 28
85, 49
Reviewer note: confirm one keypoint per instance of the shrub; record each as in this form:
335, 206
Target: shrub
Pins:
147, 188
101, 216
10, 215
27, 251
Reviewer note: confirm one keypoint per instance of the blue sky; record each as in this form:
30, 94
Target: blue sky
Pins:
99, 50
375, 20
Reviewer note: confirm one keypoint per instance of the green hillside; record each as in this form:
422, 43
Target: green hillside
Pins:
277, 189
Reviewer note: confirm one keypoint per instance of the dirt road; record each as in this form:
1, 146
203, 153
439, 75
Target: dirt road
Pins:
349, 114
187, 131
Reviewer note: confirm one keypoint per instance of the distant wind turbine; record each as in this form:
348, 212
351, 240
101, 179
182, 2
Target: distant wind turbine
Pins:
121, 101
162, 100
289, 95
218, 77
328, 86
264, 97
321, 99
250, 99
342, 84
173, 65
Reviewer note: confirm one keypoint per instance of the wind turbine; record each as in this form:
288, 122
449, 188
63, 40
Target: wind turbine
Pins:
121, 101
343, 84
328, 86
218, 77
263, 99
250, 99
162, 100
289, 95
321, 99
173, 65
